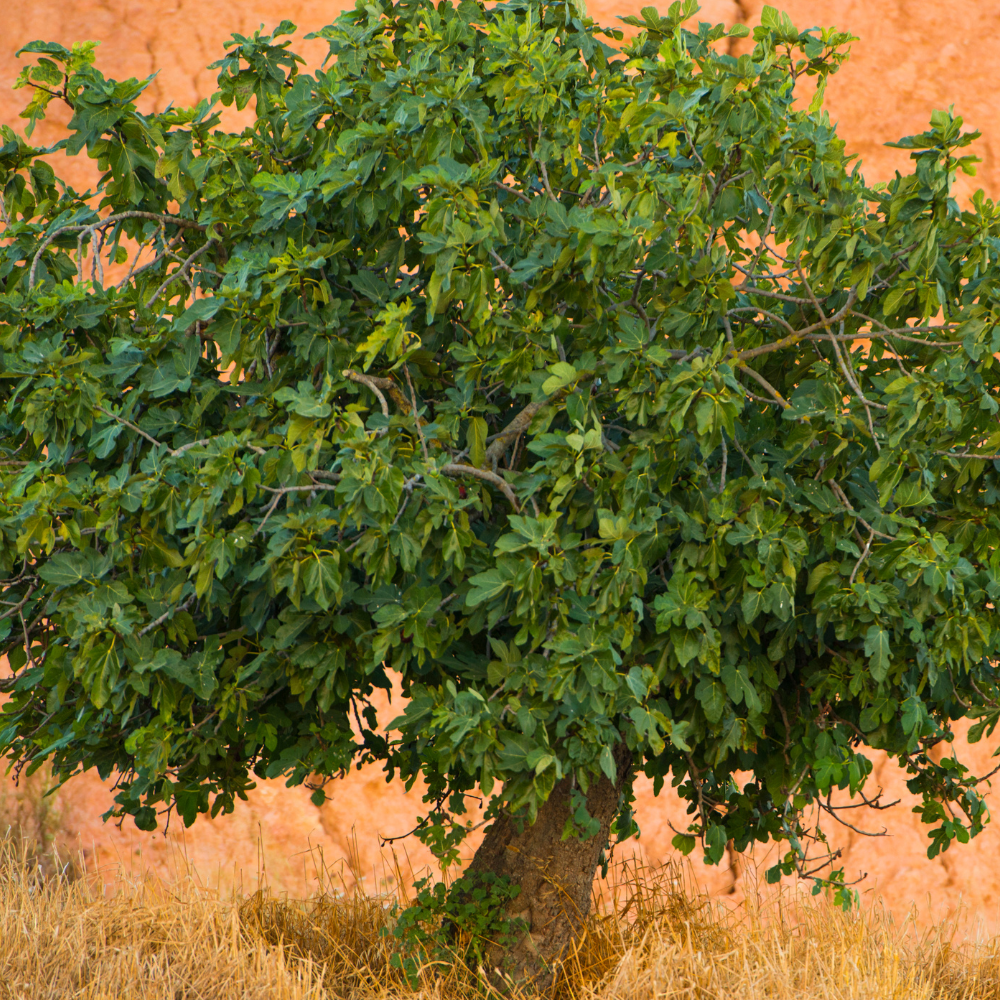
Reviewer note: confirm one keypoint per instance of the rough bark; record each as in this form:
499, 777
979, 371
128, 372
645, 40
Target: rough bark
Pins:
556, 877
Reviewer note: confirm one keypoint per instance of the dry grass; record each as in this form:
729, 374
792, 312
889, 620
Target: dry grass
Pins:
30, 816
64, 936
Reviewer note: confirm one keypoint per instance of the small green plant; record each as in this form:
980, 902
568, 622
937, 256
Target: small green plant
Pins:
457, 924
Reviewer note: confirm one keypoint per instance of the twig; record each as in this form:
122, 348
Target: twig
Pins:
408, 487
513, 191
166, 614
968, 454
545, 177
282, 490
181, 271
516, 427
132, 427
777, 397
501, 262
16, 608
862, 557
746, 457
842, 497
729, 332
416, 413
763, 242
268, 513
899, 331
367, 380
831, 810
456, 470
766, 292
191, 444
166, 252
172, 452
694, 149
172, 220
725, 462
867, 403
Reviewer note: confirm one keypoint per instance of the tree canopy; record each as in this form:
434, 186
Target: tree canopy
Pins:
586, 385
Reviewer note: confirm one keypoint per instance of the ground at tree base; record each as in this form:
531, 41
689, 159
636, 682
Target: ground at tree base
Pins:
284, 828
652, 935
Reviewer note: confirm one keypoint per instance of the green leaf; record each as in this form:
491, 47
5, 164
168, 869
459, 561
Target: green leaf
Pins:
321, 580
487, 586
712, 696
476, 441
608, 763
200, 311
563, 374
516, 750
752, 605
67, 568
877, 651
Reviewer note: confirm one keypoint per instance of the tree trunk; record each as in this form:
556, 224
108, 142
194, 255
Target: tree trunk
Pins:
556, 876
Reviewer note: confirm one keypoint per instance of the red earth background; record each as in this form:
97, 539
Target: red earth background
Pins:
913, 56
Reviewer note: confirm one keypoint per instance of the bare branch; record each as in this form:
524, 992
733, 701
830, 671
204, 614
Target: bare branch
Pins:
378, 382
863, 556
369, 382
416, 417
270, 510
456, 470
832, 811
170, 219
169, 613
851, 381
132, 427
545, 178
968, 454
180, 272
778, 398
311, 488
513, 191
794, 336
766, 292
501, 262
515, 428
842, 497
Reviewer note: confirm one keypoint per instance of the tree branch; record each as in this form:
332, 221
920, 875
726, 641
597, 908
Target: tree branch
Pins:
515, 428
370, 383
172, 220
132, 427
416, 416
456, 470
842, 497
180, 272
778, 398
376, 383
166, 614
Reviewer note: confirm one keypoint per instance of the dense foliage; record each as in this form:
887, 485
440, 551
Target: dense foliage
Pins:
594, 392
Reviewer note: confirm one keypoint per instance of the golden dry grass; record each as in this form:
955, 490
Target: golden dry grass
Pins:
74, 937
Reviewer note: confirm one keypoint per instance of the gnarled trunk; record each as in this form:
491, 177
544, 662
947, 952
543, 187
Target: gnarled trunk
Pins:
556, 876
